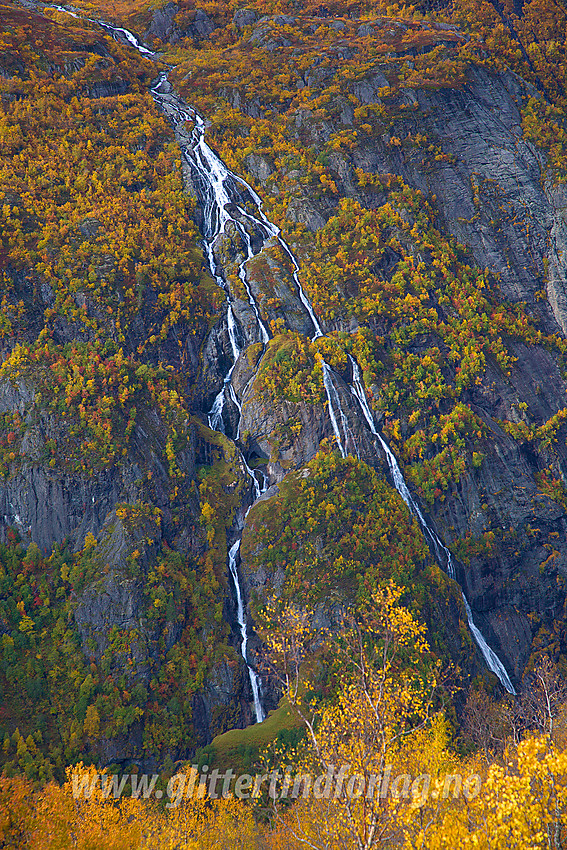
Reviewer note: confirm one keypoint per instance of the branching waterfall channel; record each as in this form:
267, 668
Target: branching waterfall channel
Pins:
224, 198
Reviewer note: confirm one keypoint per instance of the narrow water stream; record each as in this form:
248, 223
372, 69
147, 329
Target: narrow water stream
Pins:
224, 198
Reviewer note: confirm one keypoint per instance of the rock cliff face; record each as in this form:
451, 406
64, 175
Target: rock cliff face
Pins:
477, 426
490, 192
491, 195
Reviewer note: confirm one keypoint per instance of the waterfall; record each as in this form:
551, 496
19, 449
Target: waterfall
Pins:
219, 191
334, 403
442, 553
242, 275
241, 617
359, 393
212, 179
215, 413
127, 35
233, 333
492, 661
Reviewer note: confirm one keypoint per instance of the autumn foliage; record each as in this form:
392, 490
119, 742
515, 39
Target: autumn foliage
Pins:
106, 304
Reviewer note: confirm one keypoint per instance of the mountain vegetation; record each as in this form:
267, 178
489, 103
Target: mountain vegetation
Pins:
412, 160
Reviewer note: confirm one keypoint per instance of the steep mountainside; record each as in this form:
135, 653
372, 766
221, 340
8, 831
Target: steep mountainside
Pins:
194, 357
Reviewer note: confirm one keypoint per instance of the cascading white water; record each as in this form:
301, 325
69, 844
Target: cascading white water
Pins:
212, 182
241, 617
334, 401
215, 413
242, 275
334, 405
218, 188
359, 392
127, 35
233, 333
492, 661
274, 231
213, 178
258, 489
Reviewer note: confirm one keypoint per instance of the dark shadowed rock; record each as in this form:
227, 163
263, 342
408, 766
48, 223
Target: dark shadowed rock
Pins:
89, 227
244, 18
302, 210
258, 166
163, 25
202, 25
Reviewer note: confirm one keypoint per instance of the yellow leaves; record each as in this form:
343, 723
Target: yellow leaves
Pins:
477, 458
368, 725
26, 624
290, 369
175, 473
90, 539
98, 821
330, 510
414, 418
411, 303
328, 183
289, 637
521, 799
91, 724
394, 429
545, 434
207, 513
77, 161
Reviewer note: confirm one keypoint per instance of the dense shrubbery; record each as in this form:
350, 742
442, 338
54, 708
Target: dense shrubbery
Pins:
103, 283
337, 529
50, 683
431, 320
